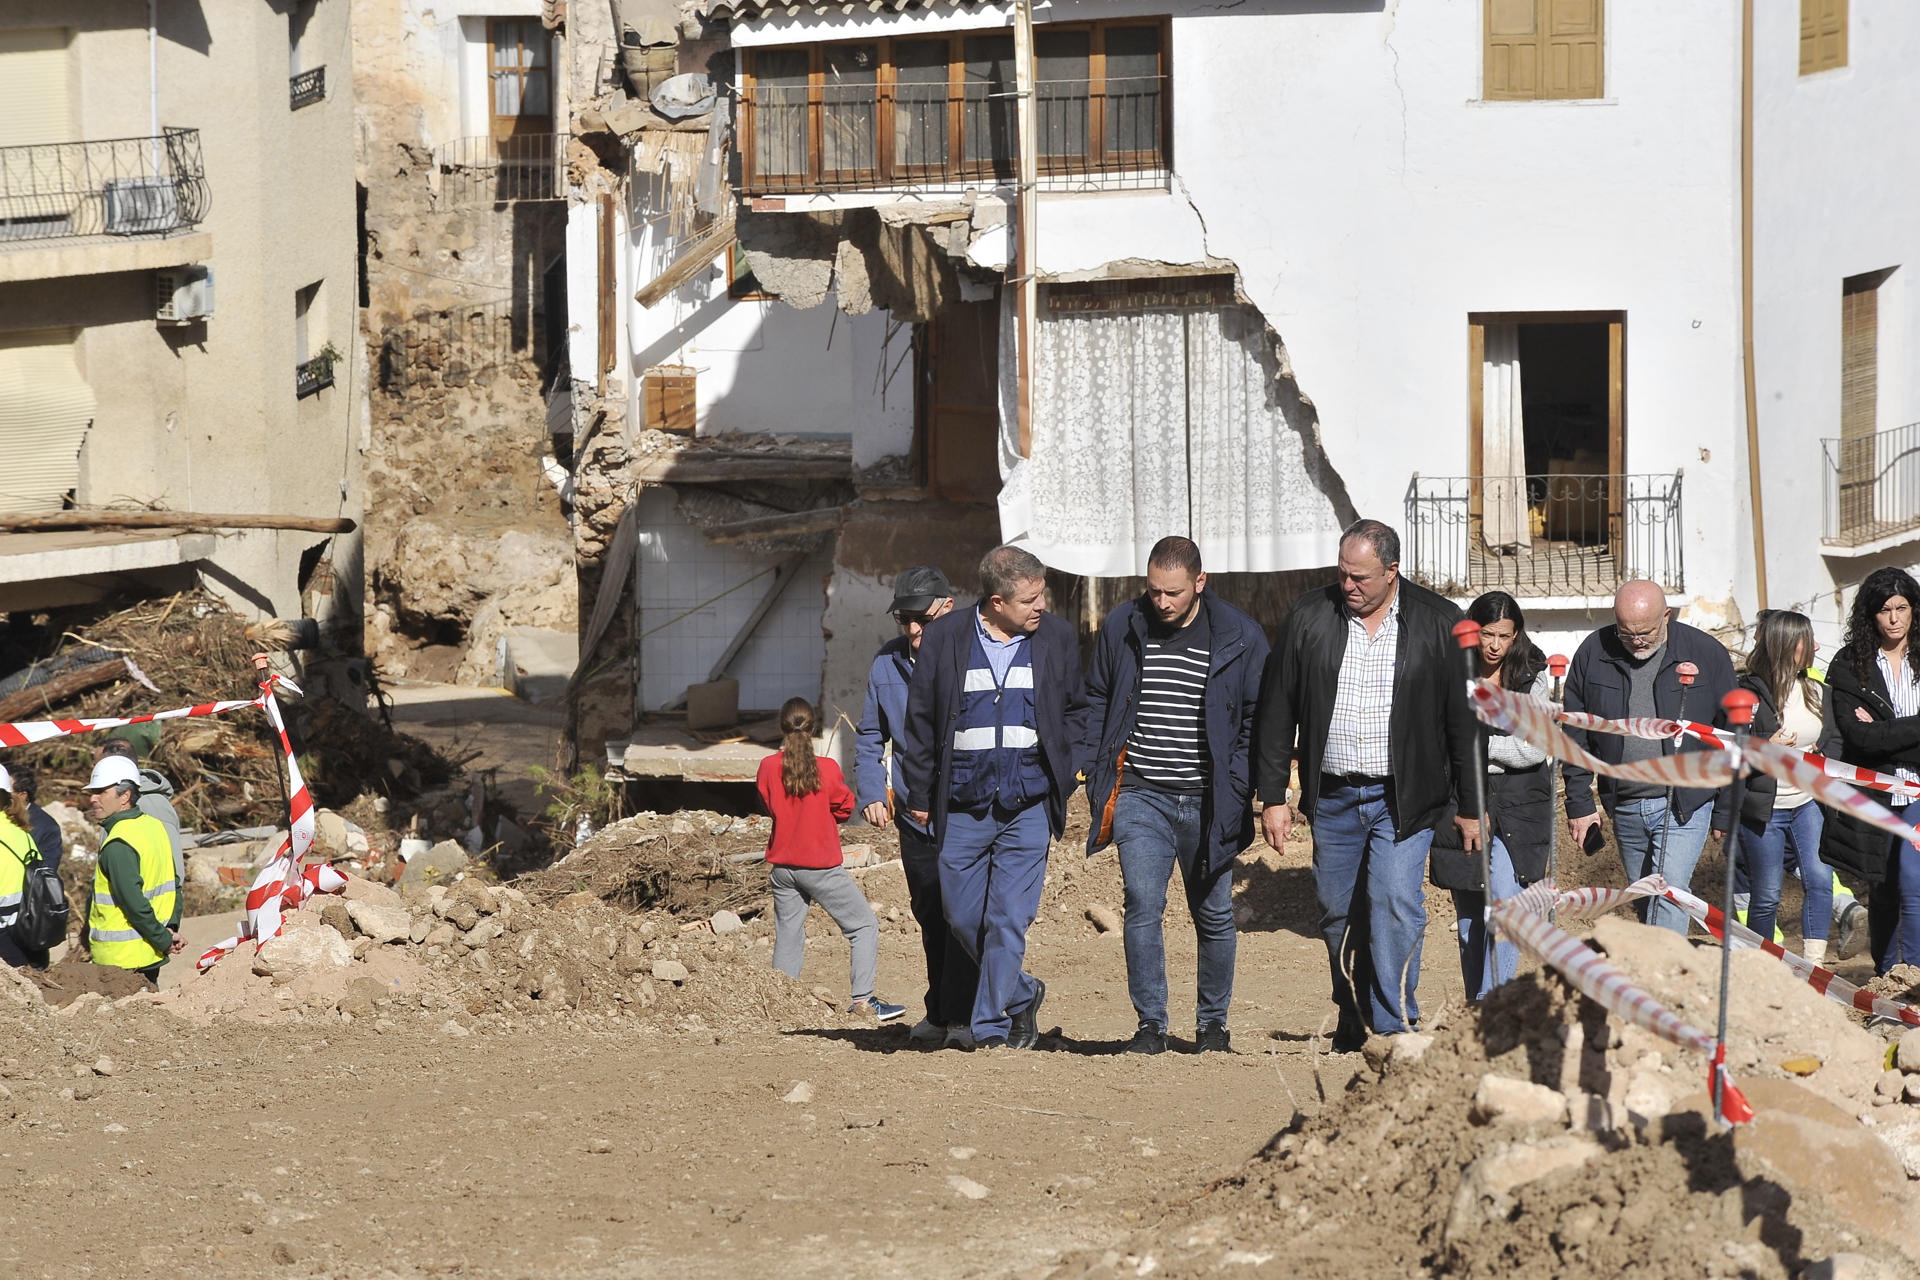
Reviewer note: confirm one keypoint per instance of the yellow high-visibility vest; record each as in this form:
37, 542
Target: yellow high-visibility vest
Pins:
112, 936
16, 851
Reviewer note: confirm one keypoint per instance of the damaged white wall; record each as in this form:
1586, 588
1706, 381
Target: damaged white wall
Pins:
1344, 161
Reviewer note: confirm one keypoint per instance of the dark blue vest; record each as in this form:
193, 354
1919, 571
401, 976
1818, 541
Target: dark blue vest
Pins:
996, 749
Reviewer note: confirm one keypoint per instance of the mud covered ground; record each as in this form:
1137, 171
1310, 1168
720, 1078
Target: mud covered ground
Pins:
460, 1124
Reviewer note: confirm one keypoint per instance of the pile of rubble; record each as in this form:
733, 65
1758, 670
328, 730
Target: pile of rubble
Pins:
1541, 1136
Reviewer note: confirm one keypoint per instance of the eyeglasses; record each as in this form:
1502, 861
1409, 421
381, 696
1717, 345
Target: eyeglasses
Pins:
1634, 639
906, 619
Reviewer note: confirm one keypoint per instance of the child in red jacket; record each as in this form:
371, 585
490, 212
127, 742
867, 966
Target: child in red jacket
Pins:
808, 799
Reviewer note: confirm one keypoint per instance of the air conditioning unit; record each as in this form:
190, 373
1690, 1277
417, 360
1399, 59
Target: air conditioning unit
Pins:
183, 295
141, 206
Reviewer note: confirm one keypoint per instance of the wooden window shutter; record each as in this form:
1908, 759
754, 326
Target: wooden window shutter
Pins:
1823, 35
1512, 49
1859, 354
1574, 49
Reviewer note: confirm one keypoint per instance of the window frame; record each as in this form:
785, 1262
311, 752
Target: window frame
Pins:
954, 167
1543, 23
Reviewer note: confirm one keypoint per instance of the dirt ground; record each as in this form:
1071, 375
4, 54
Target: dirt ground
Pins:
757, 1128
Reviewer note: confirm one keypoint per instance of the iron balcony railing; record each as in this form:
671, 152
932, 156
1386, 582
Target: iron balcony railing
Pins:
1093, 135
307, 87
1543, 535
1872, 486
486, 170
120, 186
312, 377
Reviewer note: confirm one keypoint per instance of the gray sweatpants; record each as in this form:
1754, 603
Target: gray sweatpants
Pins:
794, 889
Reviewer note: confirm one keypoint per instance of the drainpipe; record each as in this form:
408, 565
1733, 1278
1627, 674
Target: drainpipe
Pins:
1746, 301
153, 81
1027, 217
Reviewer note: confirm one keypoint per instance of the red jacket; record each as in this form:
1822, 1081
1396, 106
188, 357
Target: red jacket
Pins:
806, 829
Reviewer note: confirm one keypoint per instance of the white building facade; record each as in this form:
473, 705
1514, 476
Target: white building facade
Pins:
1471, 268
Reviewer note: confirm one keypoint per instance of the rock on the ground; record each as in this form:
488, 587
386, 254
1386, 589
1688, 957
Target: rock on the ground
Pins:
800, 1094
670, 971
1408, 1047
334, 915
1104, 918
1907, 1055
1890, 1084
1505, 1100
382, 924
436, 866
298, 951
967, 1187
726, 922
329, 832
1487, 1184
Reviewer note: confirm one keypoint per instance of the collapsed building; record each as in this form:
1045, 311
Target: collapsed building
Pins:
1248, 276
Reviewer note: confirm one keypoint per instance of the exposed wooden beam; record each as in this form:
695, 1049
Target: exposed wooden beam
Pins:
786, 524
693, 259
46, 696
688, 468
83, 519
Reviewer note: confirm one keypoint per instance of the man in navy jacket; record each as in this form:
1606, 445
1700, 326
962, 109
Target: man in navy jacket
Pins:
1172, 691
990, 750
920, 595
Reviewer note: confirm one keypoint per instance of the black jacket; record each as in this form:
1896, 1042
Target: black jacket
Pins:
1756, 810
934, 695
1239, 658
1885, 743
1597, 681
1430, 735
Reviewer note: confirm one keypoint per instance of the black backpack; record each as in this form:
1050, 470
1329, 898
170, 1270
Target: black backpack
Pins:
42, 922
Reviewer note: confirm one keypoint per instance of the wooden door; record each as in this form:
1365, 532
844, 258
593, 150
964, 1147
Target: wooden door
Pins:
1859, 392
519, 76
960, 402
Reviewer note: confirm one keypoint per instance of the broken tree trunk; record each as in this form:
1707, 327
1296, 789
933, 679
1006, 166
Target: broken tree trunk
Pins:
43, 697
199, 520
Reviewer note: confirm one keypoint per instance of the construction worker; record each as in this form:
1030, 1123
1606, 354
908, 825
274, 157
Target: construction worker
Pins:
17, 852
134, 890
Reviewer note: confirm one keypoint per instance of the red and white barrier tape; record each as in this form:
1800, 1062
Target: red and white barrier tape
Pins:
268, 901
1523, 918
1539, 723
26, 732
1649, 727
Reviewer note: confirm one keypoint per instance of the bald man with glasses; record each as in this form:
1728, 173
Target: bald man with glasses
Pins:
1631, 668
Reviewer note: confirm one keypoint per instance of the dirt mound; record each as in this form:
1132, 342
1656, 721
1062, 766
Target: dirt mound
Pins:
694, 862
1539, 1136
75, 976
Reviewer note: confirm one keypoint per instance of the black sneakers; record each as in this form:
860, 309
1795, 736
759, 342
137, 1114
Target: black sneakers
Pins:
1024, 1033
1213, 1038
1148, 1039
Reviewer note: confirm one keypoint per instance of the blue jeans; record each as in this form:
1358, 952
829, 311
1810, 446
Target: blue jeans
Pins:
1893, 907
951, 975
1372, 905
1763, 865
1638, 827
1156, 832
993, 864
1468, 905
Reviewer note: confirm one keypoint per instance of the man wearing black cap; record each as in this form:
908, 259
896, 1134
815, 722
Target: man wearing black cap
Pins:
920, 594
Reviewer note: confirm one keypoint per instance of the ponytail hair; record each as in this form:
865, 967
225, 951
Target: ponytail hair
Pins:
799, 771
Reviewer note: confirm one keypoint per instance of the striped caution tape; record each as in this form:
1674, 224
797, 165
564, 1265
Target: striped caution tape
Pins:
1523, 918
1539, 724
1651, 727
25, 732
268, 901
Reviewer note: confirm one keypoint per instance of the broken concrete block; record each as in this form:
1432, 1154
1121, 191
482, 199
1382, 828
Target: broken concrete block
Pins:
298, 951
1505, 1100
382, 924
1907, 1055
670, 971
437, 865
1488, 1183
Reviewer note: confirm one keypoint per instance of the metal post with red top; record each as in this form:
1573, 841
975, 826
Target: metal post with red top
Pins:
1688, 673
1739, 707
1466, 633
1557, 668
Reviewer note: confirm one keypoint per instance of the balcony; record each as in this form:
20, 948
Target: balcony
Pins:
1871, 489
306, 88
1094, 135
121, 187
1587, 534
475, 172
313, 377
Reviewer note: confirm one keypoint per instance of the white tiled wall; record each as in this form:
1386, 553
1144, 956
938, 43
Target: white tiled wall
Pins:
680, 574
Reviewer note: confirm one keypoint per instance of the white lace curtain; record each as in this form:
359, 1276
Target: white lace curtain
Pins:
1159, 422
1503, 442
